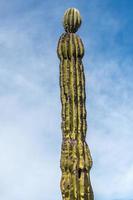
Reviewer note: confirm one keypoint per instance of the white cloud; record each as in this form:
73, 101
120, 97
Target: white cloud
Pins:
110, 129
30, 135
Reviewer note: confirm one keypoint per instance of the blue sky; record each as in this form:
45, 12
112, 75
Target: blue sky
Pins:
30, 133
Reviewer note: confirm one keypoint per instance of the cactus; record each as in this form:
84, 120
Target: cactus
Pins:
76, 160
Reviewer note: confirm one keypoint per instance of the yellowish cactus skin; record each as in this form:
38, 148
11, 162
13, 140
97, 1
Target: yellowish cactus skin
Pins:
76, 160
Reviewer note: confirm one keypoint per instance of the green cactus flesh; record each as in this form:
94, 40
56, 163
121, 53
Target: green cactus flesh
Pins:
76, 160
72, 20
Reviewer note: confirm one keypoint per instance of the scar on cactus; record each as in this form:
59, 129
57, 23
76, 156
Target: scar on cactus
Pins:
76, 160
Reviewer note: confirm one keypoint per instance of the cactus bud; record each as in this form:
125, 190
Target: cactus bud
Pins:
72, 20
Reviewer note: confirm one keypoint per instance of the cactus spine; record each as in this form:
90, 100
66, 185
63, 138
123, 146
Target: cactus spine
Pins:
76, 160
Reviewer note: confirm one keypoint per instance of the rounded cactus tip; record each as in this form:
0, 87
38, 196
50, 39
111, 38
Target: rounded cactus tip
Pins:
72, 20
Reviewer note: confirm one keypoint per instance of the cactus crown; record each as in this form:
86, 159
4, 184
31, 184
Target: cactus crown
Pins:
72, 20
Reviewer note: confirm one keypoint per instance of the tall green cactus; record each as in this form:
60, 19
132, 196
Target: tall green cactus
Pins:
76, 160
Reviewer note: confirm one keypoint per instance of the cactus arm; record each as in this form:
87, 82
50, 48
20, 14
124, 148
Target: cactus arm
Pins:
76, 160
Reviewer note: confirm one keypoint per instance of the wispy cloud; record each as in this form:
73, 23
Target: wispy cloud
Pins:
110, 130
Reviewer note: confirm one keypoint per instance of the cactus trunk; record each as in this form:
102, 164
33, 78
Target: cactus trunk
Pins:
76, 160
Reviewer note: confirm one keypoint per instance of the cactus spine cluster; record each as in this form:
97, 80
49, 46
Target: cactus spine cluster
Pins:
76, 160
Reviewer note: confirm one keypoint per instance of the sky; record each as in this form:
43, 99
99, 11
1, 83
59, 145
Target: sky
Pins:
30, 107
